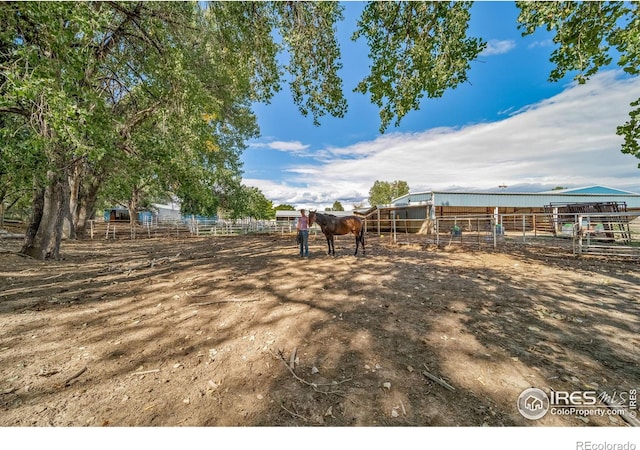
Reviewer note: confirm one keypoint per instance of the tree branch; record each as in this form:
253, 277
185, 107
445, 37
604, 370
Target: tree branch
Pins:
14, 110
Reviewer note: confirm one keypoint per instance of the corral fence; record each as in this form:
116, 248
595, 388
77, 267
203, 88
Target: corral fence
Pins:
608, 234
605, 234
155, 227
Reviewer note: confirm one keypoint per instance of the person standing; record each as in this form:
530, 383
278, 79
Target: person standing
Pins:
303, 233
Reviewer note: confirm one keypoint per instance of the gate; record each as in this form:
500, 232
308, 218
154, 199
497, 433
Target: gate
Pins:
607, 234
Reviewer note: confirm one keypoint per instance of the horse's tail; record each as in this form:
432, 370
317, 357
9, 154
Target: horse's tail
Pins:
361, 236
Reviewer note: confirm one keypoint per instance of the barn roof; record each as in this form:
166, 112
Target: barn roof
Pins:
595, 189
519, 199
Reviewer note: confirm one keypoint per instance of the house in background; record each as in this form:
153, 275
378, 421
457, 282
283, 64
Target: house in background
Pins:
167, 212
121, 214
117, 214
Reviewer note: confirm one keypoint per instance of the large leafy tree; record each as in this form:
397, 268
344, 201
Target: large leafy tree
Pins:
132, 98
249, 202
136, 99
129, 100
45, 88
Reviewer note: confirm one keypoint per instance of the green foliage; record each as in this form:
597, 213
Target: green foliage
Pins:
250, 202
284, 207
156, 96
586, 34
630, 131
383, 192
308, 34
337, 206
415, 48
259, 206
142, 100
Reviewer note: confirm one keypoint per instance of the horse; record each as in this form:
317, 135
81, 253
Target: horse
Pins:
332, 226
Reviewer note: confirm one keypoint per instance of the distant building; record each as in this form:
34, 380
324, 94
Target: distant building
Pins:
432, 204
117, 214
288, 217
169, 212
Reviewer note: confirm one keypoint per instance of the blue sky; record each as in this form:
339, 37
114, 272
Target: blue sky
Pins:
507, 125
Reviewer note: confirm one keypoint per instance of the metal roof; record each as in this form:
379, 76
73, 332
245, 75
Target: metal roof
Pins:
518, 199
596, 189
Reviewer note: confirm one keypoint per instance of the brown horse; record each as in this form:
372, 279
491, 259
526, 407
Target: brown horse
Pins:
332, 225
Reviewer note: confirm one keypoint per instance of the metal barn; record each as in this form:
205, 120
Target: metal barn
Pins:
416, 211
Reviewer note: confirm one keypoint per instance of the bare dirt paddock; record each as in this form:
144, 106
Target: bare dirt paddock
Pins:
240, 331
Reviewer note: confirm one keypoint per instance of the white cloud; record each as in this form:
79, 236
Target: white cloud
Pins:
567, 140
543, 44
498, 47
295, 147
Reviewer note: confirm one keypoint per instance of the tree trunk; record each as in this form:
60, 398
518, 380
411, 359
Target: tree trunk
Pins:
89, 186
37, 210
87, 204
46, 242
133, 205
75, 181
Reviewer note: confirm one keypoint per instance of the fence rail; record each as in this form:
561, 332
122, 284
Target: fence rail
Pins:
606, 234
609, 234
181, 228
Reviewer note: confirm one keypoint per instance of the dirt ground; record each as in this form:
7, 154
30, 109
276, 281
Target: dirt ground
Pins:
240, 331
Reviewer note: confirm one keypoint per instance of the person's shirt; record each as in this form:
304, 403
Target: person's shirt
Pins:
303, 223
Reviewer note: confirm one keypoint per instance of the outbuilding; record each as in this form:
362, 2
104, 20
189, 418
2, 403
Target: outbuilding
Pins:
419, 209
291, 217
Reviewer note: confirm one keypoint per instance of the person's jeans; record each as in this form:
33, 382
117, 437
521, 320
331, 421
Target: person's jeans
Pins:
304, 242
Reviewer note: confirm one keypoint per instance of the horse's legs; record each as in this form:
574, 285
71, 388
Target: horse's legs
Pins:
359, 240
329, 245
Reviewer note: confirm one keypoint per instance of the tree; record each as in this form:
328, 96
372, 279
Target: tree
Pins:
250, 202
131, 99
337, 206
19, 164
259, 207
284, 207
586, 33
383, 192
115, 94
